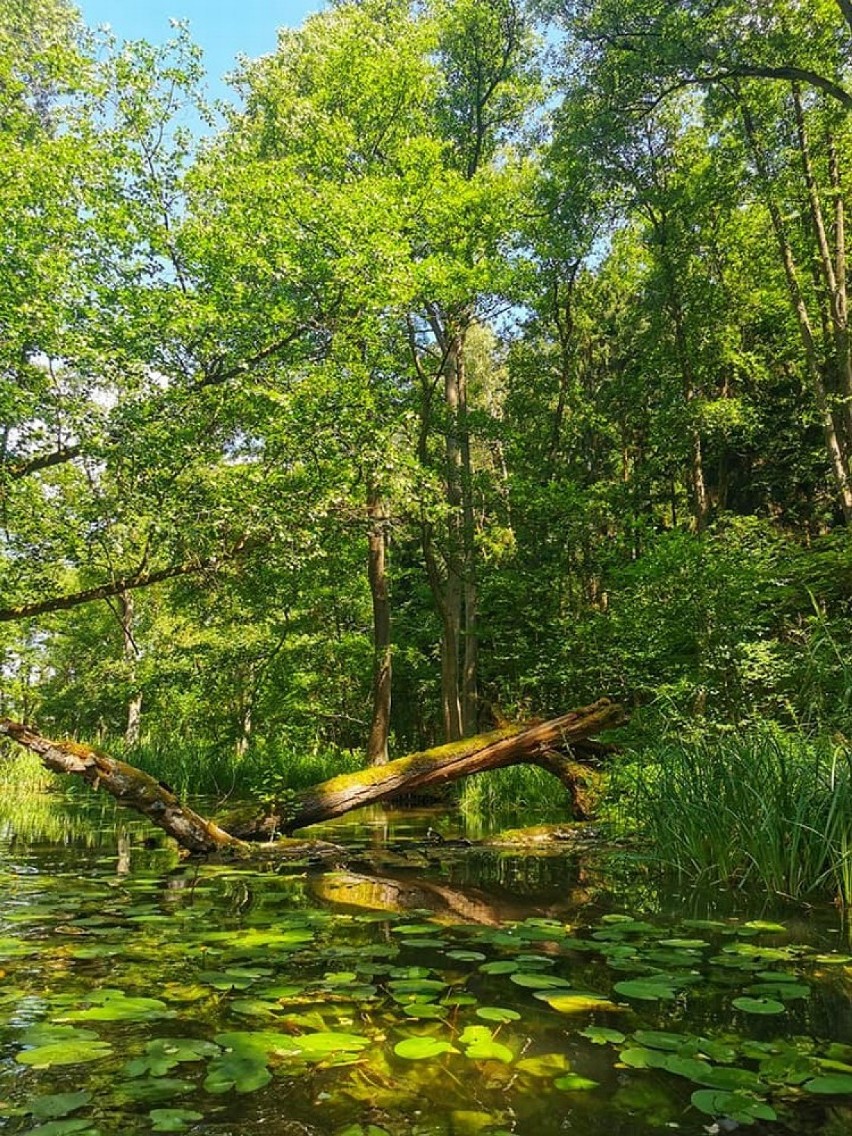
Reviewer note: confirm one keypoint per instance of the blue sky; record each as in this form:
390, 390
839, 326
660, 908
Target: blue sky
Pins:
223, 28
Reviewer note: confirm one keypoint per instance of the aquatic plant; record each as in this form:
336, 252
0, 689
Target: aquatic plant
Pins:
758, 808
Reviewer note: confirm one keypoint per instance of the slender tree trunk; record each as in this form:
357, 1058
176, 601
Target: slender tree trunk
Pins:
133, 725
834, 444
845, 347
835, 286
470, 664
697, 479
377, 742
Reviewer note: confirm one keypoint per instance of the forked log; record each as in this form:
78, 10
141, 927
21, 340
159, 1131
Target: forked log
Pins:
545, 744
539, 744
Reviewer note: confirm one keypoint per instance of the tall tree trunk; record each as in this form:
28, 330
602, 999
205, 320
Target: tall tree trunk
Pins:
697, 479
133, 725
470, 664
835, 286
377, 742
834, 443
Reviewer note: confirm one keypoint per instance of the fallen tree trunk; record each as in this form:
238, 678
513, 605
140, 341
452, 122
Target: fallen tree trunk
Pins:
130, 787
539, 744
551, 745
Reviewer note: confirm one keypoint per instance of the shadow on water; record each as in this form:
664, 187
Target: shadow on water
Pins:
428, 988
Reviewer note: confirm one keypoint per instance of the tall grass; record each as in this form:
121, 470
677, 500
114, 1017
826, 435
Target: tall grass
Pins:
761, 808
198, 770
519, 787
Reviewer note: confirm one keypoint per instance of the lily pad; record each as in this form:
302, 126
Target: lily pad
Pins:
759, 1005
422, 1048
172, 1119
574, 1083
72, 1052
600, 1035
239, 1071
736, 1106
837, 1084
58, 1104
497, 1014
646, 990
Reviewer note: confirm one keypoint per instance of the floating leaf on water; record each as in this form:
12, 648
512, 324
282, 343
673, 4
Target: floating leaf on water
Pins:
657, 1039
501, 966
119, 1007
414, 929
238, 1071
466, 956
422, 1048
163, 1053
543, 1066
685, 944
763, 925
71, 1052
736, 1106
575, 1002
172, 1119
62, 1128
425, 1010
489, 1050
835, 1084
315, 1046
538, 981
497, 1014
600, 1035
574, 1083
58, 1104
155, 1088
646, 990
638, 1057
759, 1005
786, 991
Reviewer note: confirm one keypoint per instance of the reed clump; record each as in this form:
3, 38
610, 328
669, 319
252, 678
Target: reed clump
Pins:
761, 807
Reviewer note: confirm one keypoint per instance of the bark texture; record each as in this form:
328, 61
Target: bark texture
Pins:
129, 786
544, 744
554, 746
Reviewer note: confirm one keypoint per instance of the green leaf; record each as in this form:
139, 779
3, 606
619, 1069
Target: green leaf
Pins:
497, 1014
422, 1048
58, 1104
759, 1005
837, 1084
574, 1083
737, 1106
172, 1119
646, 990
71, 1052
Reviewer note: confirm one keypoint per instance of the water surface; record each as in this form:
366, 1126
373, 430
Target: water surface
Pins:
427, 989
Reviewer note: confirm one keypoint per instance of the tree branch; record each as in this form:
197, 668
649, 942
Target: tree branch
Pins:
140, 578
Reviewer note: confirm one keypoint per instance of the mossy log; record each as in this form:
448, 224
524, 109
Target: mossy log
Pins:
552, 746
130, 787
545, 744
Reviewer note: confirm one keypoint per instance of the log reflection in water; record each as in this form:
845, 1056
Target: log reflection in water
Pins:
450, 903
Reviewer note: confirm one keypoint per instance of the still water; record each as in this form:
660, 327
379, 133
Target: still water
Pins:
426, 989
